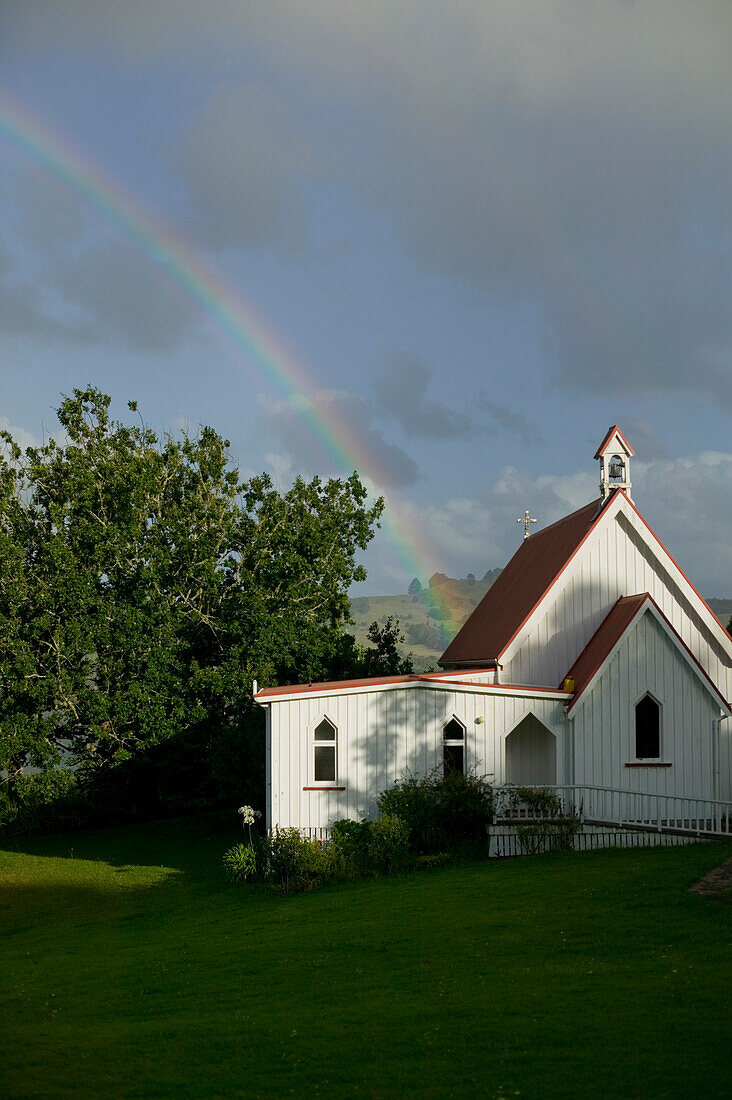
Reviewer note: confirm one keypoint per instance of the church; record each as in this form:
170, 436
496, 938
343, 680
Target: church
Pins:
592, 661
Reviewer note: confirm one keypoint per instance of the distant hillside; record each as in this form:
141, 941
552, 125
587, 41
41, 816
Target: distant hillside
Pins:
430, 615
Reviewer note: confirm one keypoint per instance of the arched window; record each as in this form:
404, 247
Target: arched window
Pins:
647, 729
453, 747
324, 752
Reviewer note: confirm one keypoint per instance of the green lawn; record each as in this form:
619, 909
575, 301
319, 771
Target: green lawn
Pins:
129, 968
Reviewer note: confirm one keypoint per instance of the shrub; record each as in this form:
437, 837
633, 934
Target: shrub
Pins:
388, 847
240, 862
553, 827
41, 802
441, 811
349, 843
293, 862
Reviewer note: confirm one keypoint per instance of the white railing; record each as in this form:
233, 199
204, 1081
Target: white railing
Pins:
612, 806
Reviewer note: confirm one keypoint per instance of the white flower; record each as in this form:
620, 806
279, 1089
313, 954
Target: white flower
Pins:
248, 815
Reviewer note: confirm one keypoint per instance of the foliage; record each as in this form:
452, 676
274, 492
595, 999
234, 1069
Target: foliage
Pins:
388, 847
350, 841
143, 588
48, 800
553, 827
383, 658
441, 811
415, 587
240, 862
292, 862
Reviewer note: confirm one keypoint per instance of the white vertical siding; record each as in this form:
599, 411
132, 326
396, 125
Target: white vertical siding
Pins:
380, 735
604, 720
615, 561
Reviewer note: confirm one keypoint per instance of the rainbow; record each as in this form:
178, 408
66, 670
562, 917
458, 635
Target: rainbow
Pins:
263, 353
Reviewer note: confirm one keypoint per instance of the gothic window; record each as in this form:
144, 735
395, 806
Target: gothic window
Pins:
324, 752
647, 729
453, 747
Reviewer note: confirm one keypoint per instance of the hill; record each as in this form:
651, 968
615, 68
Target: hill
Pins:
431, 615
129, 968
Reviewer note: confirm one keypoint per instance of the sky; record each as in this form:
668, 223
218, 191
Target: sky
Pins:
446, 244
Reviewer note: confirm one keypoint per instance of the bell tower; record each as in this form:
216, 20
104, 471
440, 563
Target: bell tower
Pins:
615, 454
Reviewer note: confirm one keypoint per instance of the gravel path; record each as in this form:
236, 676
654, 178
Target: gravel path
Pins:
717, 883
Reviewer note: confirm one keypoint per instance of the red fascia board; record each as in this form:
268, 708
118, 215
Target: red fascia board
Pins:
606, 504
425, 678
610, 433
371, 681
647, 598
336, 685
612, 641
696, 592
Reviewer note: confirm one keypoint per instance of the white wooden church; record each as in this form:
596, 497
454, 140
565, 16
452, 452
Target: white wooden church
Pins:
591, 661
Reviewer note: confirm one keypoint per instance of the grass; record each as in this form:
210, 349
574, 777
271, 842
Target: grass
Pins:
129, 968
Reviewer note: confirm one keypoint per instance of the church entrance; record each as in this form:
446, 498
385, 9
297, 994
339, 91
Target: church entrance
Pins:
531, 754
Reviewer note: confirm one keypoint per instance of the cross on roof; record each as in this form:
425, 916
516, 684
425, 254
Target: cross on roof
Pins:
527, 521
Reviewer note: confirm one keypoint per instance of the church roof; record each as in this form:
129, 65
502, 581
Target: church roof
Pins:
605, 638
611, 630
512, 597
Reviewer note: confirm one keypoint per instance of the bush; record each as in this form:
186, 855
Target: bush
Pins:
388, 847
349, 843
553, 827
441, 811
293, 862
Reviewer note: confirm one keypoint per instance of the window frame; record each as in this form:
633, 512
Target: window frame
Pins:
321, 743
647, 759
455, 742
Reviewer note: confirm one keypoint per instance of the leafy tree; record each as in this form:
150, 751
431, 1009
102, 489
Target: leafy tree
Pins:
415, 587
143, 588
383, 657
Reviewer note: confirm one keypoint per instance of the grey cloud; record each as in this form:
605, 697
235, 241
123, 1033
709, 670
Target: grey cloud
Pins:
50, 218
243, 162
123, 298
512, 421
572, 158
287, 424
24, 311
401, 388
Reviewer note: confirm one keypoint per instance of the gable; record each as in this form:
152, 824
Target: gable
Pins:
612, 636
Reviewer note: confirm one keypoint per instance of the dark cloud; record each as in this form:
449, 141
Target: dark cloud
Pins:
244, 163
350, 419
511, 421
401, 388
49, 217
574, 159
25, 311
124, 298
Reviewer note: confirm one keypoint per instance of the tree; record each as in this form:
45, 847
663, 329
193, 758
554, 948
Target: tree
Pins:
143, 588
383, 658
415, 587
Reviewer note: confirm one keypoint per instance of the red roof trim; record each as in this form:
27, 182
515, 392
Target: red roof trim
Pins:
641, 600
430, 678
634, 604
610, 433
